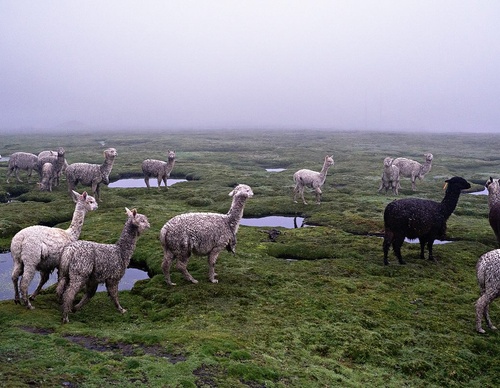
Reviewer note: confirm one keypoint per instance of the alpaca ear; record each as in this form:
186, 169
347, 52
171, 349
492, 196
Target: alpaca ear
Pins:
74, 195
131, 213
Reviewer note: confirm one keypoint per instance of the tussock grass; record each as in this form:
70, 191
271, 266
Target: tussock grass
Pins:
317, 307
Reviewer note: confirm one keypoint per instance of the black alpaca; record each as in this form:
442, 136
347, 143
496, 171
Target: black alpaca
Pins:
420, 218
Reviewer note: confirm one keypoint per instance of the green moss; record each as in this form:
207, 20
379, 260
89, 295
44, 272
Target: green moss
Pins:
315, 307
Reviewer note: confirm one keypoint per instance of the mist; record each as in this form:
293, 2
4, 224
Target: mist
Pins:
370, 65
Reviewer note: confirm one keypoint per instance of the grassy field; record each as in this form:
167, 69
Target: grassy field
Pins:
315, 308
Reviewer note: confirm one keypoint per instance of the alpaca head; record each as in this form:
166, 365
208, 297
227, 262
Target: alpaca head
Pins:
139, 220
110, 153
171, 155
388, 161
329, 161
86, 200
242, 191
428, 157
456, 183
493, 186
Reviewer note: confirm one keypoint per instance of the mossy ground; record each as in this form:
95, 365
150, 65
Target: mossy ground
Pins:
317, 307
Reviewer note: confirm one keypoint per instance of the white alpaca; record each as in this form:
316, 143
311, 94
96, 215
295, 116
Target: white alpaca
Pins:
89, 174
390, 176
412, 169
39, 248
88, 263
202, 234
159, 169
313, 179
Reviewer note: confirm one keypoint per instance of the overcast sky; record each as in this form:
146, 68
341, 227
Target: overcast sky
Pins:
389, 65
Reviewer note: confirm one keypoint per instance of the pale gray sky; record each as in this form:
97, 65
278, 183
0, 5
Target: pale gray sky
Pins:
385, 64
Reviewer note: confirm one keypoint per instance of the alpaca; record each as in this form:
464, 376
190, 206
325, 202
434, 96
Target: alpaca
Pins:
48, 177
494, 205
39, 248
488, 279
158, 168
88, 263
308, 178
202, 234
91, 174
22, 161
57, 158
390, 176
412, 169
420, 218
493, 187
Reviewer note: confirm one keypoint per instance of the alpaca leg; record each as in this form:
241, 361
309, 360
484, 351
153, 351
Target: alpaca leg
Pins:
16, 170
61, 287
482, 310
95, 190
397, 244
386, 245
159, 179
69, 296
90, 290
487, 317
44, 277
112, 287
212, 259
168, 257
413, 187
295, 192
422, 248
28, 275
318, 195
146, 180
182, 266
17, 271
30, 171
429, 248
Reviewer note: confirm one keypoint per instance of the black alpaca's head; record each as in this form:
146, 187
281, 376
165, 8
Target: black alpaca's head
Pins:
456, 183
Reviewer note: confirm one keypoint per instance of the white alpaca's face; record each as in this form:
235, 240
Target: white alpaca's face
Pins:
242, 190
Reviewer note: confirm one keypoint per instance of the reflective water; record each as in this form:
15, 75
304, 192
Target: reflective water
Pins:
7, 289
416, 241
483, 192
275, 169
273, 221
139, 182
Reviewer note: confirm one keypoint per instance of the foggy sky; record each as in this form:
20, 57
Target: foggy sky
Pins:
395, 64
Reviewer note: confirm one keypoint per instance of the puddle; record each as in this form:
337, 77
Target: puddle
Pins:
4, 158
139, 182
273, 221
275, 169
436, 242
7, 291
484, 192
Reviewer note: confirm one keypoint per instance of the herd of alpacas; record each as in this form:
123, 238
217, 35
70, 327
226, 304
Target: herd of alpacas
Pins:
83, 265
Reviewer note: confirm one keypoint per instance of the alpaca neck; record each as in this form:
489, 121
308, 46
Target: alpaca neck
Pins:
127, 242
426, 167
170, 163
76, 225
107, 165
235, 213
493, 199
324, 170
449, 202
